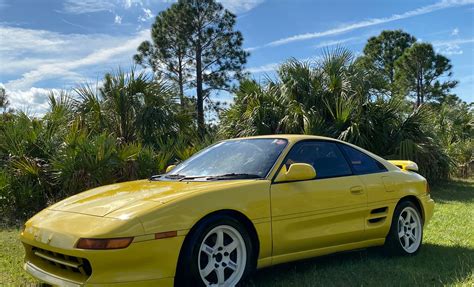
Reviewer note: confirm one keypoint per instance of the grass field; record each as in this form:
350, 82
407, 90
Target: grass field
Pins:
446, 257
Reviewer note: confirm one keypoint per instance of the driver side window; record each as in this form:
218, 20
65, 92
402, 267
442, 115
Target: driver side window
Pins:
325, 157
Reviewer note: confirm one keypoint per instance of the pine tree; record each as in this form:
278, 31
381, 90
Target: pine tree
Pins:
418, 73
196, 36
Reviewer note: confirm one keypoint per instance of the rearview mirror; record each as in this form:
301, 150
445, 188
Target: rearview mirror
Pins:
297, 171
170, 168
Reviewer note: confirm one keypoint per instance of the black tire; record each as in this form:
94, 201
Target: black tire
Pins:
187, 272
395, 243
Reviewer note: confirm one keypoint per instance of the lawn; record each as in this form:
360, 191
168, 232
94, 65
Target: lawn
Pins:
446, 258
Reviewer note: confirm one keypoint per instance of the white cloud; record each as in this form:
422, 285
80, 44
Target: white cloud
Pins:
129, 3
238, 6
87, 6
24, 49
27, 40
450, 50
92, 6
451, 47
370, 22
33, 101
147, 15
41, 55
118, 20
264, 68
455, 32
336, 42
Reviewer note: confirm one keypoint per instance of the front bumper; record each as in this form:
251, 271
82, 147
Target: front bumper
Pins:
52, 279
51, 257
141, 264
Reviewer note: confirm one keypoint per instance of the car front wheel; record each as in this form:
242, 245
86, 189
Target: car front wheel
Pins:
218, 253
406, 232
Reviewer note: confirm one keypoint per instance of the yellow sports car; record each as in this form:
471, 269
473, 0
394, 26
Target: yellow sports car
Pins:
237, 205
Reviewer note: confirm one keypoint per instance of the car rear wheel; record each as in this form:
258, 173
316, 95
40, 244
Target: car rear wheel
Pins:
406, 232
218, 253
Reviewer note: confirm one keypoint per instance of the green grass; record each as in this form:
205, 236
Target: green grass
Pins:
446, 258
11, 260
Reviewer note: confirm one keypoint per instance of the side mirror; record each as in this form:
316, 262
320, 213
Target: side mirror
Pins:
297, 171
170, 168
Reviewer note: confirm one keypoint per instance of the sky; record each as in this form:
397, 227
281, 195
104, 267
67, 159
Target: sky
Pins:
53, 45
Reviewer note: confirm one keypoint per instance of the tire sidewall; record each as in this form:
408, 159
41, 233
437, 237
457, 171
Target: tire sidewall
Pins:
393, 244
188, 269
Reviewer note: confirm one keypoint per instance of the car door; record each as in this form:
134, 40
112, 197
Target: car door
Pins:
380, 191
326, 211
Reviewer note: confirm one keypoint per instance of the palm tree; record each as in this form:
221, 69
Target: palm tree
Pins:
331, 97
133, 106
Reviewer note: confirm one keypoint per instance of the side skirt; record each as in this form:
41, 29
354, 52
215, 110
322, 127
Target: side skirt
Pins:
264, 262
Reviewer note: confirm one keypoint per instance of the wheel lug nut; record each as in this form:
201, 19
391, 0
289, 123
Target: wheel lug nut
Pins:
216, 265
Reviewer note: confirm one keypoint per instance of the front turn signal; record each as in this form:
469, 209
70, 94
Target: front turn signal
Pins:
110, 243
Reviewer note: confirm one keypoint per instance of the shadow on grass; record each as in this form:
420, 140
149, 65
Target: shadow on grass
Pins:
453, 190
434, 265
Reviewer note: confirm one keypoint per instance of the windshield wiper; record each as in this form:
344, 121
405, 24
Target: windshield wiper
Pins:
181, 177
156, 177
175, 176
170, 176
234, 176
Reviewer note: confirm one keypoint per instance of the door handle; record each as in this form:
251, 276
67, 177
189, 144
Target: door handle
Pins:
356, 190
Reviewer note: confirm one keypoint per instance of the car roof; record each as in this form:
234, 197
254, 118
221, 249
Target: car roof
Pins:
289, 137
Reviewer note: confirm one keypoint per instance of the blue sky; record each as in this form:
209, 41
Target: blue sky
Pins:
52, 44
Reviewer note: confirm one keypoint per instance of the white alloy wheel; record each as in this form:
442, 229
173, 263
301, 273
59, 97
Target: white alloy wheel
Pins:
222, 257
409, 229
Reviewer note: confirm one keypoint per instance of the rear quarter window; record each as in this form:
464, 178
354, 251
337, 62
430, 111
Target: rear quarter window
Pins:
361, 162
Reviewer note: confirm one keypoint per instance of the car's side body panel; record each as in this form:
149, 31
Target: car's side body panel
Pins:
382, 202
316, 214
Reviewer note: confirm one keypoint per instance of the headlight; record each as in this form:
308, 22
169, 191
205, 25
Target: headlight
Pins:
110, 243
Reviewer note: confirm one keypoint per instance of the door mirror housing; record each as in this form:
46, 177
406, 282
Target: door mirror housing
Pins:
170, 168
296, 172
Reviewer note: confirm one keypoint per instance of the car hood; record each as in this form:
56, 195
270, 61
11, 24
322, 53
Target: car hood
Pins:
104, 200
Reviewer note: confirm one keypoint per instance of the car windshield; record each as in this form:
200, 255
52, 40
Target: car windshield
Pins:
246, 158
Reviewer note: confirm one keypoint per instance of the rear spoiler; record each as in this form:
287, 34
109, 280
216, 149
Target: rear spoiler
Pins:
405, 164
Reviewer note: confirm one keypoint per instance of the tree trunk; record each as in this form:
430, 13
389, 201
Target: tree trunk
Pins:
418, 96
199, 92
181, 85
422, 94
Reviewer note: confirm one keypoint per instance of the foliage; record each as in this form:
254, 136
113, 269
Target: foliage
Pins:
168, 55
128, 128
196, 36
134, 124
331, 98
380, 54
418, 73
365, 101
454, 128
